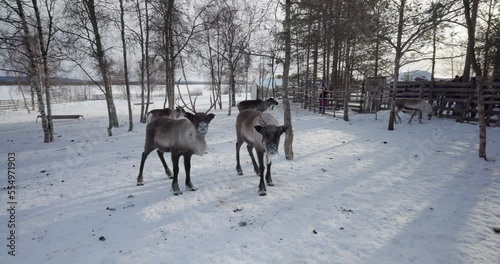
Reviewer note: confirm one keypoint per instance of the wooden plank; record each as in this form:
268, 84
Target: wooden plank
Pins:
63, 117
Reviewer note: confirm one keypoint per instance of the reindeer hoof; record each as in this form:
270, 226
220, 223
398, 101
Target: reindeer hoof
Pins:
270, 184
240, 173
170, 177
191, 188
140, 183
262, 193
178, 192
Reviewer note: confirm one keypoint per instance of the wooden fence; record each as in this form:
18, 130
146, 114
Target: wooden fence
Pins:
14, 104
451, 99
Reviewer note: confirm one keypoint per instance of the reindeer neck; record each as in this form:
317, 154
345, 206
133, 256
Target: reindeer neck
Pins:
199, 140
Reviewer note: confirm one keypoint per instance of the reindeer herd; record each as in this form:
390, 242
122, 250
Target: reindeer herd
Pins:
183, 134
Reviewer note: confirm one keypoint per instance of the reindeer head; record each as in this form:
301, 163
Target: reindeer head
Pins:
179, 112
200, 121
271, 101
271, 137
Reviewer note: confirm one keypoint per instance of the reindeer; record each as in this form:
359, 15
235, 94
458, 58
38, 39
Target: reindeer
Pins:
258, 104
165, 113
178, 113
417, 105
262, 132
180, 137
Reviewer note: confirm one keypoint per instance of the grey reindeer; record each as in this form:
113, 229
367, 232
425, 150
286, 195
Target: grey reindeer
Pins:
178, 113
180, 137
262, 132
258, 104
416, 105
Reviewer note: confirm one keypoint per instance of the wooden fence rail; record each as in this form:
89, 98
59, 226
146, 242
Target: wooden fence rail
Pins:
451, 99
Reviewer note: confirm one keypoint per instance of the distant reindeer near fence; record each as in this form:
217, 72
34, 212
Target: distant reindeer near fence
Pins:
417, 105
180, 137
258, 104
262, 132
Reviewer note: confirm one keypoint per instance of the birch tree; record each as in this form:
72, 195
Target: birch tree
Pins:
125, 65
470, 8
28, 40
85, 21
286, 69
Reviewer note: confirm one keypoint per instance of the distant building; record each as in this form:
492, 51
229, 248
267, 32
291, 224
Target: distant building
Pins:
264, 88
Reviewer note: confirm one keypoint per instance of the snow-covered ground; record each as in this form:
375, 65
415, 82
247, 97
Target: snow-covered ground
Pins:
354, 193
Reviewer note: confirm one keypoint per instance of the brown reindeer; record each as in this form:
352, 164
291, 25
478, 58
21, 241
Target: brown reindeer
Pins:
258, 104
165, 113
180, 137
178, 113
262, 132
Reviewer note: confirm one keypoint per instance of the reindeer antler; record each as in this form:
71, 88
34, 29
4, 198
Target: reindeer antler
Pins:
191, 102
182, 99
211, 106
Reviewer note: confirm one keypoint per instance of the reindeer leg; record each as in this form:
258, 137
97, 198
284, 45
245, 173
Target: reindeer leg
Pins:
397, 116
412, 115
187, 168
175, 162
145, 154
167, 170
262, 186
255, 167
238, 166
269, 180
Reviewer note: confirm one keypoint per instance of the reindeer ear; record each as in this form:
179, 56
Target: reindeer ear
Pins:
283, 129
210, 117
258, 128
189, 116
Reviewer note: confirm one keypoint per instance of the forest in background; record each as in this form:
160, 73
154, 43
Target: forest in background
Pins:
334, 41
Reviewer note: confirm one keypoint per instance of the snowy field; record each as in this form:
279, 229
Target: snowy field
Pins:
355, 193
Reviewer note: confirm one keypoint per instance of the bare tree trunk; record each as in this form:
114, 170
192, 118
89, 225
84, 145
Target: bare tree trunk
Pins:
44, 50
434, 49
170, 54
482, 119
487, 41
125, 66
286, 68
34, 70
142, 44
32, 91
470, 56
397, 64
148, 65
470, 15
307, 93
232, 89
347, 73
100, 56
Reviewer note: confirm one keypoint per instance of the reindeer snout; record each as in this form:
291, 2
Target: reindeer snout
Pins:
203, 128
272, 149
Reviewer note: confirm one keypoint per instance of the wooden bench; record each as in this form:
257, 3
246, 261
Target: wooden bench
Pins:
63, 117
144, 103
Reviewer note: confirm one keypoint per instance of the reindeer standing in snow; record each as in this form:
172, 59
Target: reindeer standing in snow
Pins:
417, 105
262, 132
180, 137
